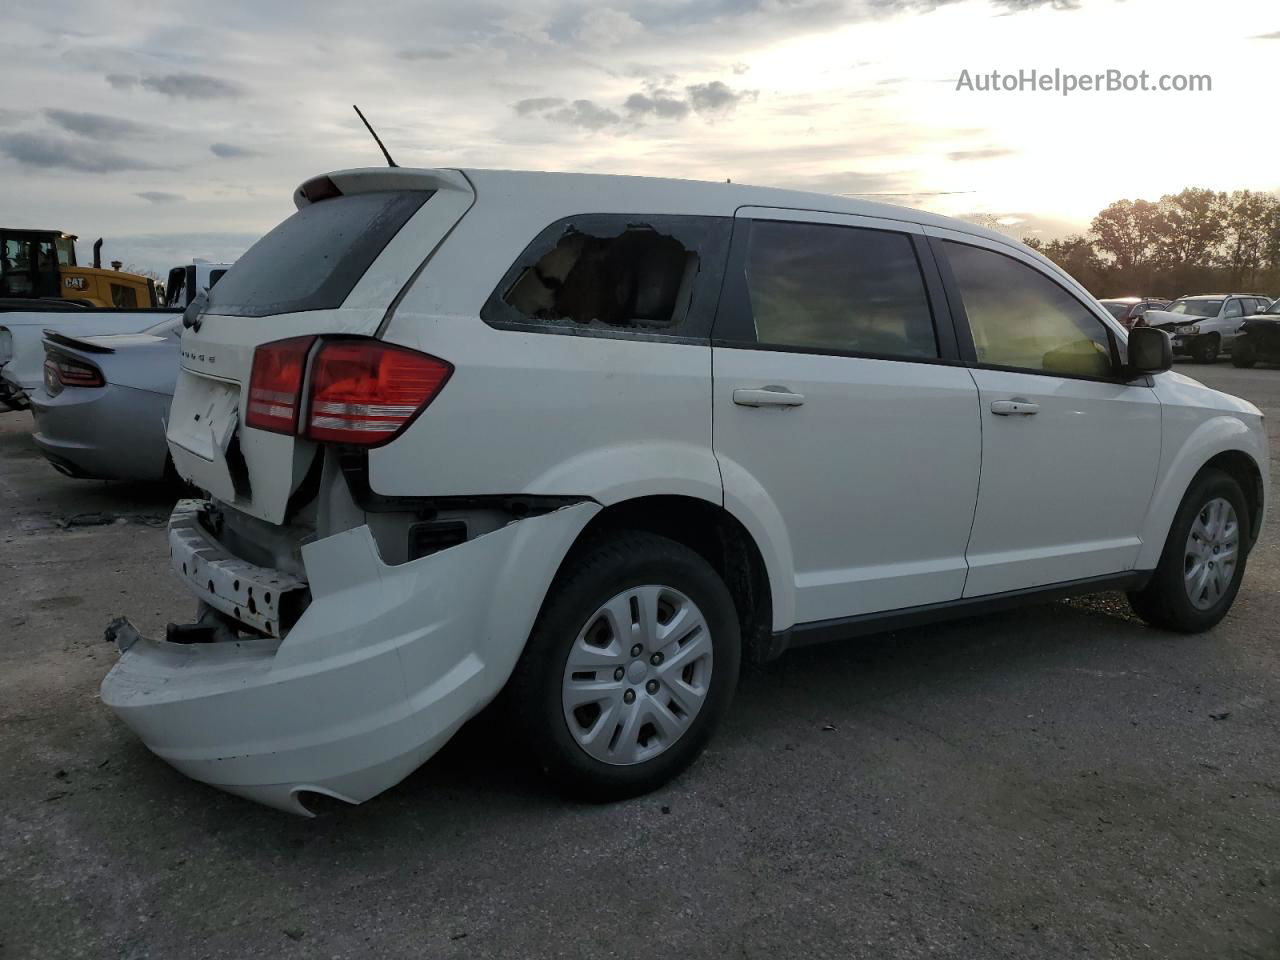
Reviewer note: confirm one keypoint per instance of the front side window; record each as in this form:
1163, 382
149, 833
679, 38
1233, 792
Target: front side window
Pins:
613, 273
1235, 308
1021, 318
841, 289
122, 296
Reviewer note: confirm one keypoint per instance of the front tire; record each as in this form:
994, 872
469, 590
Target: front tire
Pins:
1203, 559
1205, 349
630, 667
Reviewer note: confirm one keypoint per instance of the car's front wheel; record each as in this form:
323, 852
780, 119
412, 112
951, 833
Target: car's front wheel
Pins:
1203, 560
1205, 349
631, 665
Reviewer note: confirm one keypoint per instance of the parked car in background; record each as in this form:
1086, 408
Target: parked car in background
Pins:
465, 444
1203, 327
23, 325
101, 409
185, 283
1259, 338
1130, 310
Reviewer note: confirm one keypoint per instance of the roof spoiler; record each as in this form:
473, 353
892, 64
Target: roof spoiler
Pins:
371, 179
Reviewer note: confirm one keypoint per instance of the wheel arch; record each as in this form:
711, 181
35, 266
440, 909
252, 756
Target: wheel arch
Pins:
717, 536
1224, 443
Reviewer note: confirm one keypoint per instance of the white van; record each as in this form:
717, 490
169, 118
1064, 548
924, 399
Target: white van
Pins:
594, 440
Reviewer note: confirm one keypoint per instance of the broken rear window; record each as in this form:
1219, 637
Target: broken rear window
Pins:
606, 272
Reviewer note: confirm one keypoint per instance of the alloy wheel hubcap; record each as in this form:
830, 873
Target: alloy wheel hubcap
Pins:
1213, 546
637, 675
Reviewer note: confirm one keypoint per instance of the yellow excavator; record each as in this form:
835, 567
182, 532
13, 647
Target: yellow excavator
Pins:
41, 264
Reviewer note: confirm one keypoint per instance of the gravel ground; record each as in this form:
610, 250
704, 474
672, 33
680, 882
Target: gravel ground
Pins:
1057, 781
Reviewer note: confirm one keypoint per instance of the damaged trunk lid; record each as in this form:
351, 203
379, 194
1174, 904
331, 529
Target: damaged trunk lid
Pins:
334, 268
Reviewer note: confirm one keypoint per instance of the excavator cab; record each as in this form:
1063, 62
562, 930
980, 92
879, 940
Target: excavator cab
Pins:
31, 261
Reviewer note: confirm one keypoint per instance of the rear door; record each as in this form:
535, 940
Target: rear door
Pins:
843, 419
1069, 449
333, 267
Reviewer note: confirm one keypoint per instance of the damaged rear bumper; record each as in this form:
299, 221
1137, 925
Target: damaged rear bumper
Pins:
379, 671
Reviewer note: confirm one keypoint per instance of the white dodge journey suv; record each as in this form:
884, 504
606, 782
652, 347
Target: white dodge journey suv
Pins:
590, 442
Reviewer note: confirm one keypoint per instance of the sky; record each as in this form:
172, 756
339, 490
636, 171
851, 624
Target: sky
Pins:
180, 129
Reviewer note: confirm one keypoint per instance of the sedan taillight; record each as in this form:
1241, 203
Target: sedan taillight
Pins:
61, 370
361, 392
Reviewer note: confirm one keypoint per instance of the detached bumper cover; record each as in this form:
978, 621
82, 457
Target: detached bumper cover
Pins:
379, 671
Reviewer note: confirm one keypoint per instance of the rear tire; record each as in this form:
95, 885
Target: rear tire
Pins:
1192, 588
604, 721
1244, 355
1205, 349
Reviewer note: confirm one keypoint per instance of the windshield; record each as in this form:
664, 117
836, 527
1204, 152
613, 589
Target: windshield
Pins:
1196, 308
1118, 310
1274, 308
312, 260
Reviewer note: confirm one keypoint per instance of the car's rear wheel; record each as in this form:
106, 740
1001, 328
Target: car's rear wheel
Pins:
1205, 349
630, 667
1203, 560
1244, 354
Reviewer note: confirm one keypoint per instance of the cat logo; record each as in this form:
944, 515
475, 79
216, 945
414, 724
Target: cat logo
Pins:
75, 283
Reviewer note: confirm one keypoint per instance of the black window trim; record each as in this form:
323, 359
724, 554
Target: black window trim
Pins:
734, 327
694, 323
964, 334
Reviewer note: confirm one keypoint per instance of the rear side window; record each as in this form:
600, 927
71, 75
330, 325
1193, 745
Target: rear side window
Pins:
1021, 318
313, 259
842, 289
613, 273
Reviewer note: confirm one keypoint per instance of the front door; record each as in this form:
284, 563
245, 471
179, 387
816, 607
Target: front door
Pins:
843, 421
1070, 450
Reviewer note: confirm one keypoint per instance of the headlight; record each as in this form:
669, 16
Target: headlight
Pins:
1190, 328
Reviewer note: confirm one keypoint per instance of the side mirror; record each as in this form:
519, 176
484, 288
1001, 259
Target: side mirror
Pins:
1150, 350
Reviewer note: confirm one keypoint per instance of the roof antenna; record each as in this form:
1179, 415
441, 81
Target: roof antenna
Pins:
376, 138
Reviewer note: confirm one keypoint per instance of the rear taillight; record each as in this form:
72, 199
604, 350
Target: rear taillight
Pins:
361, 391
275, 385
365, 392
61, 370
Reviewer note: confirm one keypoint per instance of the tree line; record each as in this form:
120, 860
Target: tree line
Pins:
1195, 241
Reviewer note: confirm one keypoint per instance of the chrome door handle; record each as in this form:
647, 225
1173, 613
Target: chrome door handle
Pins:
1017, 407
770, 396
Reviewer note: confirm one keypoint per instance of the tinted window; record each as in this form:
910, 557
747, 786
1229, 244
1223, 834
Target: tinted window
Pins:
1118, 310
829, 287
1021, 318
312, 260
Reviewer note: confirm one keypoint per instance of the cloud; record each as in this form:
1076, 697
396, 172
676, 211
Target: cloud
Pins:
229, 151
159, 196
190, 86
604, 27
97, 126
661, 105
1267, 36
9, 117
740, 68
987, 153
39, 150
585, 114
717, 97
537, 105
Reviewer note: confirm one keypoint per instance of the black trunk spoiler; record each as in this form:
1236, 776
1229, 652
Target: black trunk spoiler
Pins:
88, 346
